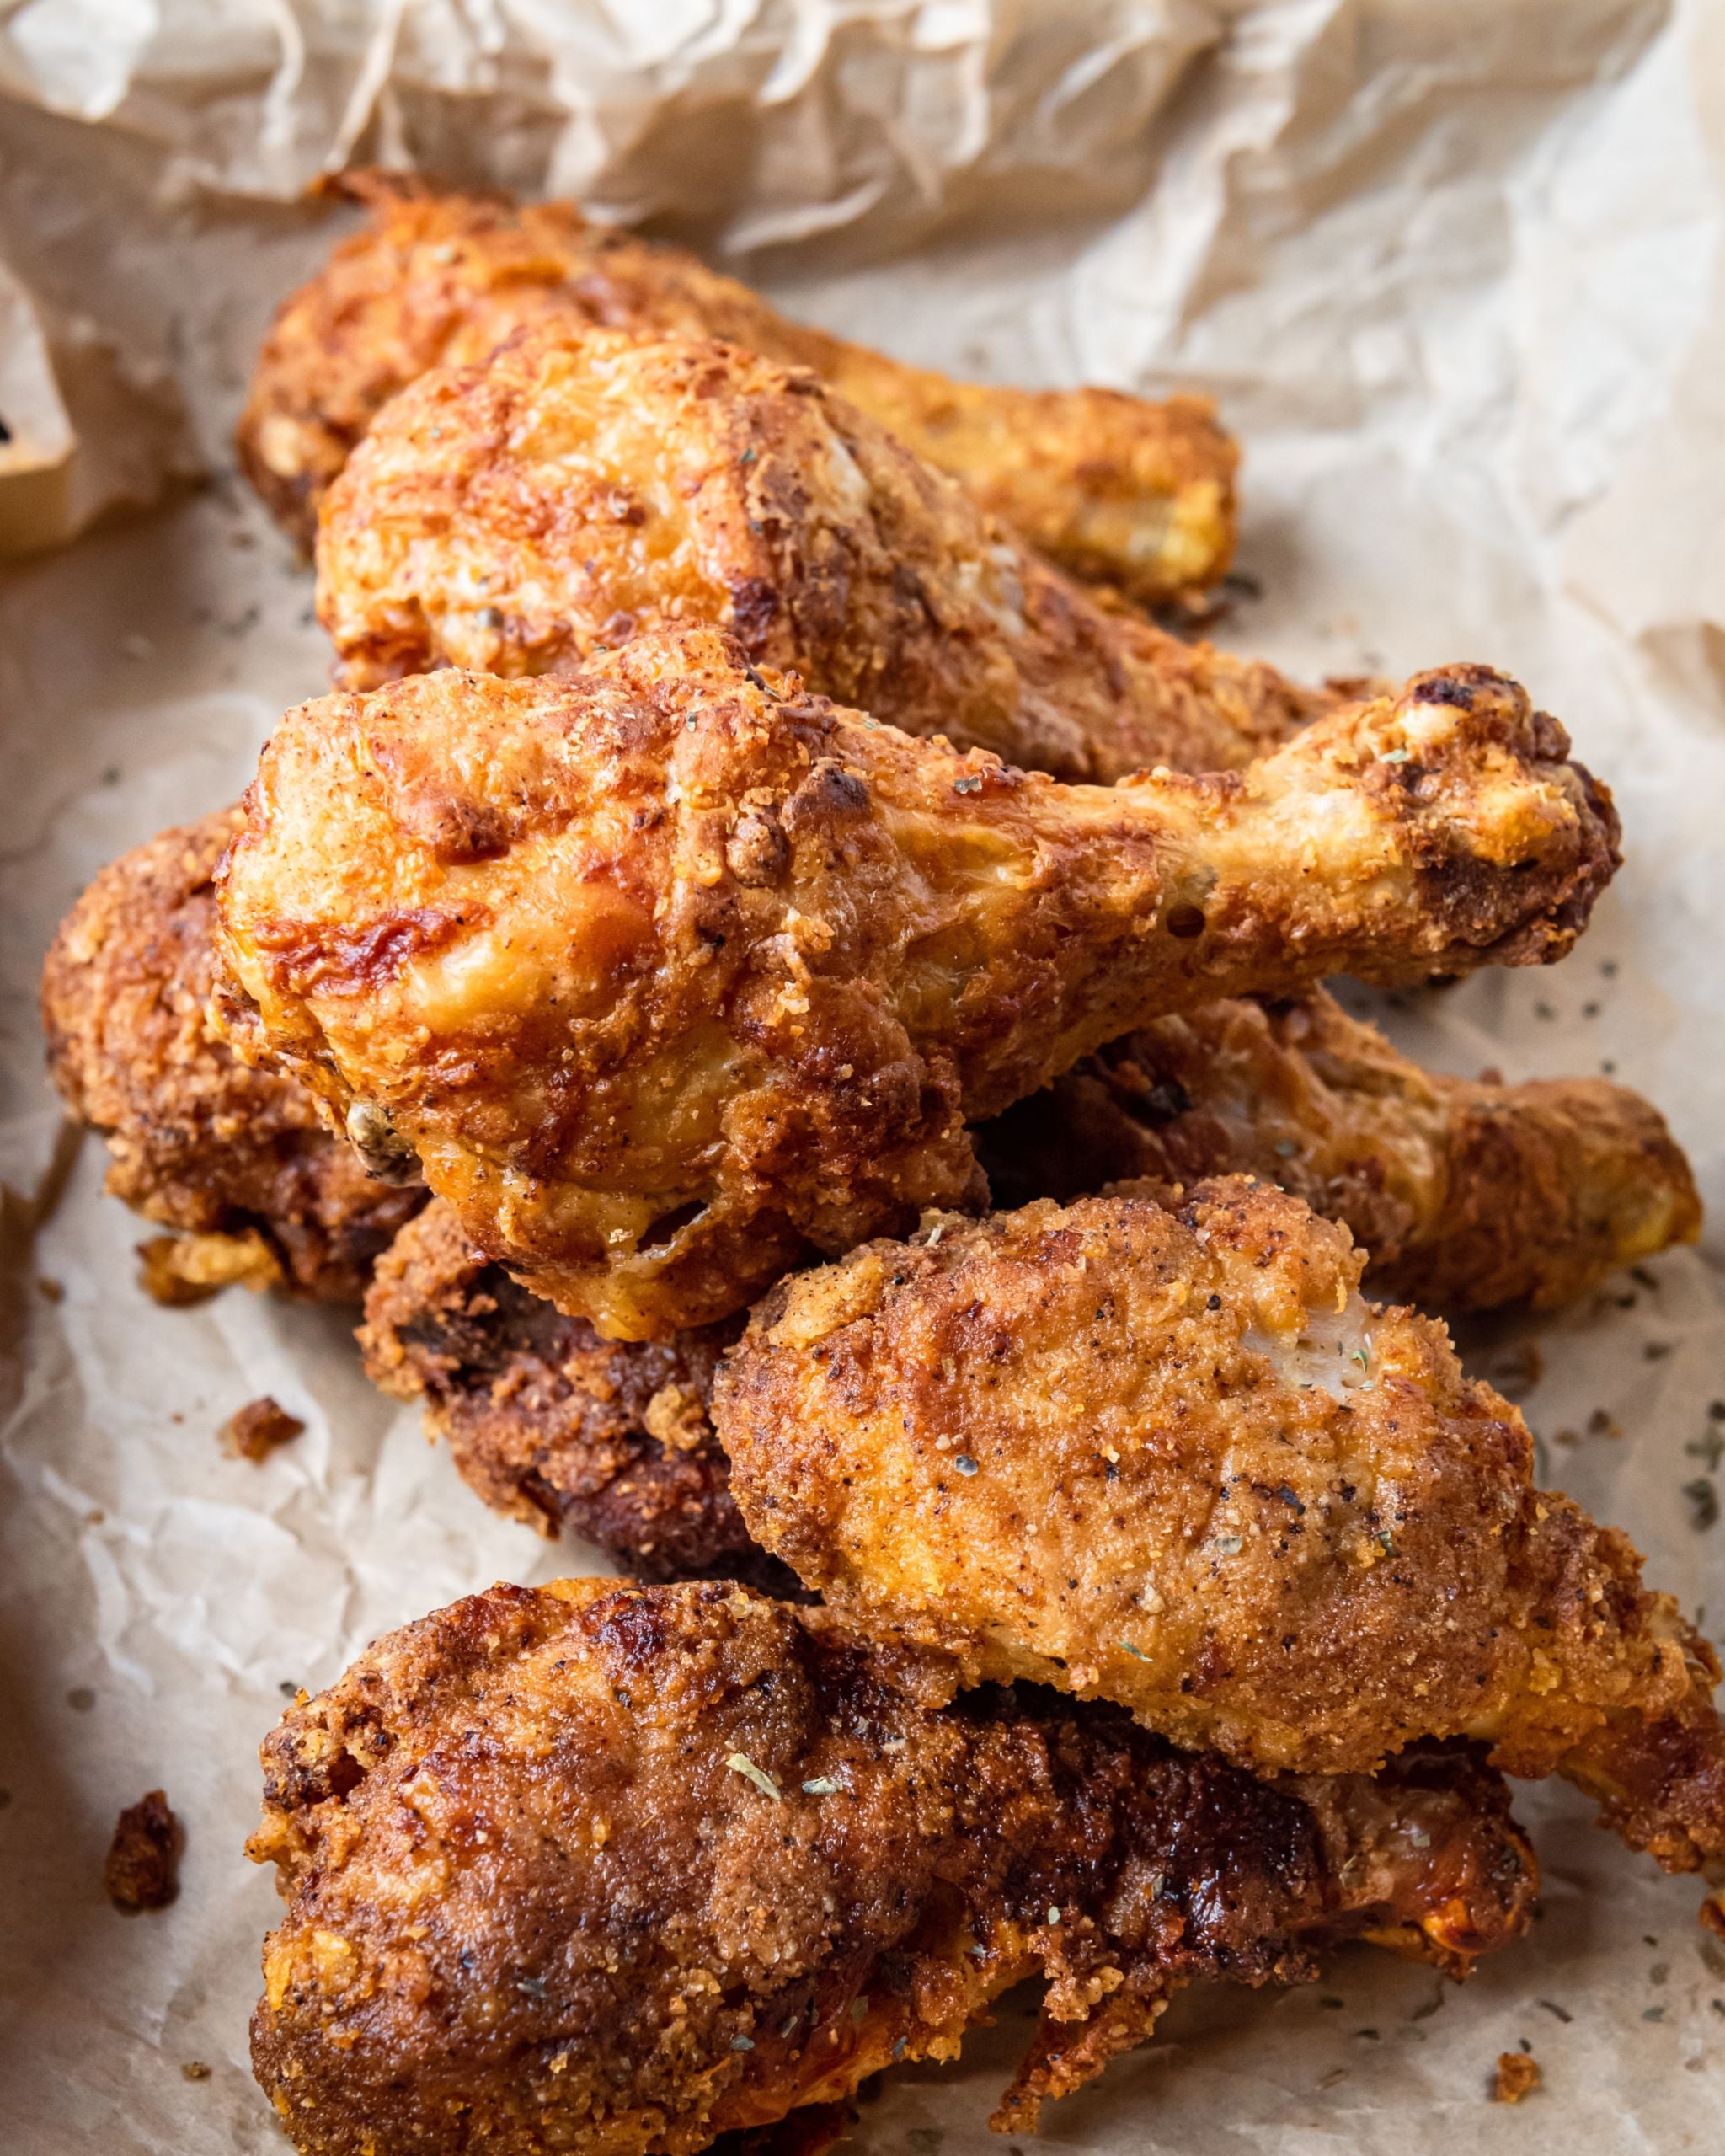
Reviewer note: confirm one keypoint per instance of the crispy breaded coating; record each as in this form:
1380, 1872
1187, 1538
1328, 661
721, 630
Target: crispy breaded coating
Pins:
602, 1869
552, 1426
517, 517
668, 972
1118, 489
1173, 1459
200, 1142
1464, 1193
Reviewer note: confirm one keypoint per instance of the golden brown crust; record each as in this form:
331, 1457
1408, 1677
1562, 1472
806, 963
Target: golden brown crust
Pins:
666, 972
1129, 492
200, 1141
1466, 1193
1661, 1784
552, 1426
517, 517
1173, 1460
604, 1868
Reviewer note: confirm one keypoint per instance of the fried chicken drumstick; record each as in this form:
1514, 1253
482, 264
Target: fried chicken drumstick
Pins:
1119, 490
604, 1868
516, 518
1466, 1193
552, 1426
234, 1157
1173, 1459
666, 973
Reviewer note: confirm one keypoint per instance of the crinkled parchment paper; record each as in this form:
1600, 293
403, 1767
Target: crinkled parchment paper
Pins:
1453, 267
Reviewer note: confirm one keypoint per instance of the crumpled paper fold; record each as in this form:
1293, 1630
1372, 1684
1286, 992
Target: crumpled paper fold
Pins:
1453, 268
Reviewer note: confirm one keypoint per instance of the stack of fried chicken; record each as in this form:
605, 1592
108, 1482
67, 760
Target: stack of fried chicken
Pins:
800, 1011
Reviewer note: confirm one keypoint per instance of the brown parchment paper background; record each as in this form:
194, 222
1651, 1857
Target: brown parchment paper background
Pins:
1453, 267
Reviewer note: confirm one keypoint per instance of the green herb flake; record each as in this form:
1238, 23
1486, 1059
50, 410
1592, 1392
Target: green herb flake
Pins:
1709, 1449
822, 1785
1126, 1647
739, 1762
742, 2043
965, 1464
1394, 756
1053, 1914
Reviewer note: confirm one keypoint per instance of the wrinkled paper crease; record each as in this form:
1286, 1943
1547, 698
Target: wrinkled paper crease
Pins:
1452, 269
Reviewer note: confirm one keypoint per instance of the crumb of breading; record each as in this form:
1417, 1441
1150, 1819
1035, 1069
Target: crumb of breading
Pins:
180, 1270
195, 2070
143, 1870
258, 1428
1518, 2076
